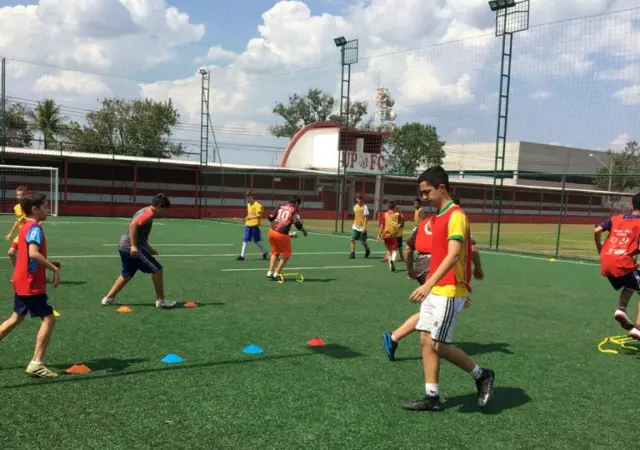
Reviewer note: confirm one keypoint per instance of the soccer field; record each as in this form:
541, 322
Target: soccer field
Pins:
536, 323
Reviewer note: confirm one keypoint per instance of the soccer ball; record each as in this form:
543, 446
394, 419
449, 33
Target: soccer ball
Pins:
293, 234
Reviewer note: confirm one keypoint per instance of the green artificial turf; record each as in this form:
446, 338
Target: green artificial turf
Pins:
536, 323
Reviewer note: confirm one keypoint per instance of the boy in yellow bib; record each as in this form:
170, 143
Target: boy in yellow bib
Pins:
359, 228
21, 218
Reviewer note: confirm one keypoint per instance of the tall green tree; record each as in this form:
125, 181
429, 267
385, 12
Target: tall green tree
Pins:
622, 167
315, 106
46, 119
18, 130
133, 128
413, 145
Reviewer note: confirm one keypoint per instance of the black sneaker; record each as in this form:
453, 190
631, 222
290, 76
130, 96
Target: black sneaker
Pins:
390, 345
265, 256
427, 403
240, 258
367, 253
484, 384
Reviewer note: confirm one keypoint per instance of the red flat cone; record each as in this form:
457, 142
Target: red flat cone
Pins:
78, 369
190, 304
316, 342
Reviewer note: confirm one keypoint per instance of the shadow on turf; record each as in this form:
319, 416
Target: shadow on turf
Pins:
72, 283
336, 351
178, 306
111, 365
472, 349
319, 280
504, 398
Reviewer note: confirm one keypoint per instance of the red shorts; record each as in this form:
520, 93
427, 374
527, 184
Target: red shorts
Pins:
280, 243
391, 243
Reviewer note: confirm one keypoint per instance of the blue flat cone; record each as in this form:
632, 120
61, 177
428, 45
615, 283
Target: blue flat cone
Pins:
172, 358
252, 350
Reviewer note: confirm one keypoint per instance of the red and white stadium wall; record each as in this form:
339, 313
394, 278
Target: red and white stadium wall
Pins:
94, 188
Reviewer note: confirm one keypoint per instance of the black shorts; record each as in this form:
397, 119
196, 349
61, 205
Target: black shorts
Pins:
36, 305
421, 267
629, 281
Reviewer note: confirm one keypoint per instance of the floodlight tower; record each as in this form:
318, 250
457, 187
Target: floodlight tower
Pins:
348, 56
511, 17
204, 134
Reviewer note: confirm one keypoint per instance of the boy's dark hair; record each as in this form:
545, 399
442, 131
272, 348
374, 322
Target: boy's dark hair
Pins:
30, 200
359, 196
455, 199
22, 188
635, 202
417, 199
295, 200
435, 176
392, 204
248, 194
160, 201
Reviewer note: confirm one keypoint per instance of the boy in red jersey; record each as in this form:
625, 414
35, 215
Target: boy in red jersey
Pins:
282, 218
618, 260
419, 270
444, 294
29, 281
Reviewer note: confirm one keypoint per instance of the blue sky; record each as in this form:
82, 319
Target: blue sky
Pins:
575, 82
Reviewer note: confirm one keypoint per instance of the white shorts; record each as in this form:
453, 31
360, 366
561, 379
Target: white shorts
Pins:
438, 316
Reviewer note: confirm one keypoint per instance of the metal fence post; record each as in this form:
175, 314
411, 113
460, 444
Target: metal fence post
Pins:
562, 211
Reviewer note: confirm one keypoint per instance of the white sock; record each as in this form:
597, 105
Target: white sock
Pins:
269, 274
394, 255
476, 372
36, 363
244, 249
432, 389
393, 338
261, 247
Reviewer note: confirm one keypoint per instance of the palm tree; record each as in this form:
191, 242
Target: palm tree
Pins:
46, 119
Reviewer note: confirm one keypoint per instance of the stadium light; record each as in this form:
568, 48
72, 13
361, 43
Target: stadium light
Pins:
609, 168
340, 41
495, 5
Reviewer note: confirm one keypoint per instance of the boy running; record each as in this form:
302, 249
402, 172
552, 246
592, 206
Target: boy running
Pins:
444, 294
136, 253
281, 220
618, 260
359, 228
252, 227
388, 231
20, 219
29, 281
421, 241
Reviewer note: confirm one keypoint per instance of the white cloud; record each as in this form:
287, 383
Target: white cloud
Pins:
627, 73
71, 82
464, 131
620, 141
216, 53
629, 95
540, 95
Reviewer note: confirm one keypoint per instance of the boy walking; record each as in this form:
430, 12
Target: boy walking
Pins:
137, 255
444, 294
29, 281
252, 227
359, 227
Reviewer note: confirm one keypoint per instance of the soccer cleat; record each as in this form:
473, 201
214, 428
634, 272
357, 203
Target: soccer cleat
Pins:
164, 303
484, 384
109, 301
389, 345
427, 403
367, 253
623, 319
265, 256
635, 333
392, 266
40, 371
352, 255
240, 258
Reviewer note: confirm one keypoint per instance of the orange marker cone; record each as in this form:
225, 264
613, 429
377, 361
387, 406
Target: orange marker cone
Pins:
316, 342
124, 309
78, 369
190, 304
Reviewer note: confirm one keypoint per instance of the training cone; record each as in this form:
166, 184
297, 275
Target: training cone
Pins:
190, 304
552, 260
56, 313
78, 369
316, 342
252, 350
172, 358
124, 309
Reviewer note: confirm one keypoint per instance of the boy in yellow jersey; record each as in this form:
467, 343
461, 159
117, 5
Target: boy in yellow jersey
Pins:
388, 231
252, 227
400, 237
444, 294
359, 228
21, 218
418, 214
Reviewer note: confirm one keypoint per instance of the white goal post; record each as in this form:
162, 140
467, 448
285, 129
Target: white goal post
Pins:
35, 178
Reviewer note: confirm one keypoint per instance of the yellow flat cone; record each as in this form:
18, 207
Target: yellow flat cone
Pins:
56, 313
552, 260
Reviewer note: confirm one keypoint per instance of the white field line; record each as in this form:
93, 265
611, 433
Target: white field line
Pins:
299, 268
180, 245
202, 255
540, 258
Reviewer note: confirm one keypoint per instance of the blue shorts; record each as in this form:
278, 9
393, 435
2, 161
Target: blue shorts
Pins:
36, 305
252, 234
629, 281
145, 263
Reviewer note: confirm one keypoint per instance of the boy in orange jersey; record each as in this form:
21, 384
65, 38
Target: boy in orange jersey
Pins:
359, 228
388, 231
30, 279
282, 218
420, 272
444, 294
618, 261
20, 219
